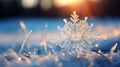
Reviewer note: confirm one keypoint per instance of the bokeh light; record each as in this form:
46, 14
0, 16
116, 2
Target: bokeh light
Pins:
61, 3
104, 36
29, 3
116, 33
46, 4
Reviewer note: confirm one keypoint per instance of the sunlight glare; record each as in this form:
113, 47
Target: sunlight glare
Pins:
61, 3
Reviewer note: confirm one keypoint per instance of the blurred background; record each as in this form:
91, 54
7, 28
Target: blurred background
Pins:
105, 14
59, 8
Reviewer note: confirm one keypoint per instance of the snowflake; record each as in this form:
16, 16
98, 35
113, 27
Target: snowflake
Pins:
77, 34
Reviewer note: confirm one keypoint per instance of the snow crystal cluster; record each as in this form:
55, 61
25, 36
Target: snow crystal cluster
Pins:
72, 48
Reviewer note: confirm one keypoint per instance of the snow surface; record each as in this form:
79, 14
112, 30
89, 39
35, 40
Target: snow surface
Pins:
59, 59
33, 54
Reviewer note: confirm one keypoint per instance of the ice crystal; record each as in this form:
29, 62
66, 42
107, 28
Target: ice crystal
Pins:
28, 33
113, 48
43, 43
77, 34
